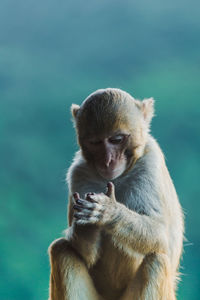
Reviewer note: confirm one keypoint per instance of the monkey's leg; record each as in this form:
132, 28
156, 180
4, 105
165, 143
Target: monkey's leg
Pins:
69, 279
154, 280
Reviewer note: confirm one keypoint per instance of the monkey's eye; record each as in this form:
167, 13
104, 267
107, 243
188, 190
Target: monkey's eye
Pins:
118, 139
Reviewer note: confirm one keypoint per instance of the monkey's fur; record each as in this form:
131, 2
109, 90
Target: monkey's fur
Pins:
132, 252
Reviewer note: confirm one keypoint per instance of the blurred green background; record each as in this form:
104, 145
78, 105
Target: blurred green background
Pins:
53, 53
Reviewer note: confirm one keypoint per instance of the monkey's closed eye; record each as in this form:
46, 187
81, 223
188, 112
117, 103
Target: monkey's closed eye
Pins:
118, 139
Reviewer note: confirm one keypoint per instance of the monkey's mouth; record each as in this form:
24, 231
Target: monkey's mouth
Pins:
110, 173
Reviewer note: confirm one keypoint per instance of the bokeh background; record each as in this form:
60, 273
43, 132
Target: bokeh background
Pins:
55, 52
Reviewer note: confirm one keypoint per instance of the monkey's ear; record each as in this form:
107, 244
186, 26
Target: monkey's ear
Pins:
147, 108
74, 110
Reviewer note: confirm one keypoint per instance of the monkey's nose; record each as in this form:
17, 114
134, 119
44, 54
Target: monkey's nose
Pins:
108, 159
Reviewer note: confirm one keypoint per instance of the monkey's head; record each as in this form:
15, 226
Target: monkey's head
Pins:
112, 129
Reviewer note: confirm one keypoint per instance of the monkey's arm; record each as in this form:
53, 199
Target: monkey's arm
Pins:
129, 230
84, 238
132, 231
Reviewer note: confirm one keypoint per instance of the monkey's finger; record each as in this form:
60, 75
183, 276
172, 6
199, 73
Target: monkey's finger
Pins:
84, 204
85, 213
81, 216
76, 196
89, 194
110, 190
90, 197
77, 207
81, 202
81, 222
86, 219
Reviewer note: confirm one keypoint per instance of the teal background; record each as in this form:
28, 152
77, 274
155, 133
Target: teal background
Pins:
53, 53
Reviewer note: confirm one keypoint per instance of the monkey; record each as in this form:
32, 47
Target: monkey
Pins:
125, 235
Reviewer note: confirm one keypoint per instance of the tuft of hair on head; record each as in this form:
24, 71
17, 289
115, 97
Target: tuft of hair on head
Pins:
74, 110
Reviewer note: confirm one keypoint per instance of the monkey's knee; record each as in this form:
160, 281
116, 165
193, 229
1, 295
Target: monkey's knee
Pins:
57, 247
69, 275
155, 258
157, 277
157, 265
63, 256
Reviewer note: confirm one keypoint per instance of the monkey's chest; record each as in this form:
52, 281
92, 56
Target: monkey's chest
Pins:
114, 269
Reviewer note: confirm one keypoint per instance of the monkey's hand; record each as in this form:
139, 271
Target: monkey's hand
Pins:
96, 209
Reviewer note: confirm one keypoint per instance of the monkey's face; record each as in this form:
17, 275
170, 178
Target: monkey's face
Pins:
112, 129
107, 154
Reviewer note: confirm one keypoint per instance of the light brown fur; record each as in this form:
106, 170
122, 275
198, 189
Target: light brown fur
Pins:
133, 251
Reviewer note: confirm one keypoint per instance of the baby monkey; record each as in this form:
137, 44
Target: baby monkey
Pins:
125, 234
